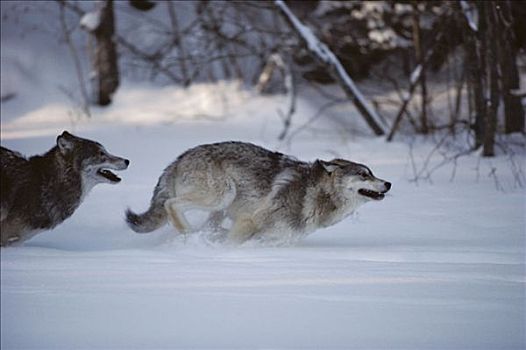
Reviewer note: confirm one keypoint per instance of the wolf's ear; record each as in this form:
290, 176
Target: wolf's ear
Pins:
65, 142
327, 166
66, 134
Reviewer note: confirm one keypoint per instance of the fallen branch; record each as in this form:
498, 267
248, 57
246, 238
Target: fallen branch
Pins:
328, 59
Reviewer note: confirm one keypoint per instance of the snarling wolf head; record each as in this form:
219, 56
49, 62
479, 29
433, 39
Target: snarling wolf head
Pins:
354, 178
90, 158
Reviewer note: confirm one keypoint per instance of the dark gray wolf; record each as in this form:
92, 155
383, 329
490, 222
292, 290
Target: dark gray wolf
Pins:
41, 192
264, 193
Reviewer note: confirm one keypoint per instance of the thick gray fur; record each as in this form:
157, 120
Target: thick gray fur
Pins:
41, 192
266, 194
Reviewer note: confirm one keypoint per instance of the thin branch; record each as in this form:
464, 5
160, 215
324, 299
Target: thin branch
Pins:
290, 83
76, 61
415, 79
319, 113
178, 40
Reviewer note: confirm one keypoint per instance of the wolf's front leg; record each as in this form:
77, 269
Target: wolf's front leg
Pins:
13, 233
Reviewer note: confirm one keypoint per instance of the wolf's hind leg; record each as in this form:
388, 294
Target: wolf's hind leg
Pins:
242, 229
213, 199
215, 219
176, 215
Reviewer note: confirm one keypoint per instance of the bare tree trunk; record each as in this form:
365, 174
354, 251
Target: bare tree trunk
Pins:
513, 109
417, 41
492, 54
321, 53
104, 56
458, 99
476, 69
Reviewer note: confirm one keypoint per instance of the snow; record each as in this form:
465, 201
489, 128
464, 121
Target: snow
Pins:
471, 14
415, 75
382, 36
518, 92
435, 265
431, 266
91, 20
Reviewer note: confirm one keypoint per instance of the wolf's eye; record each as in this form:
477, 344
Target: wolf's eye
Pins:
101, 153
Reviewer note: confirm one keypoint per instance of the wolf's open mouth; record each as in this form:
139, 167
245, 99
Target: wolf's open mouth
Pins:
371, 194
108, 175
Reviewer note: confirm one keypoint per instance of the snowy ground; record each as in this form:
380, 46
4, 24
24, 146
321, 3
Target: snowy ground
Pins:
436, 265
432, 266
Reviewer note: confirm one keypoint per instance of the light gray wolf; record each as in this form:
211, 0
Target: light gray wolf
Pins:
265, 194
41, 192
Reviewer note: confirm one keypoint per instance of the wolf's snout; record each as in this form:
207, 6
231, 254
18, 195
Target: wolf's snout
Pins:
120, 163
387, 186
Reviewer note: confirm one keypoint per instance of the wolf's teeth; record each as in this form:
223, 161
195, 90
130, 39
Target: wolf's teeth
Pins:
109, 175
371, 194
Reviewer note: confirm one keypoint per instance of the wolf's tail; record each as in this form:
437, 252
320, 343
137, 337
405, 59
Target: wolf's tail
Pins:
155, 216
